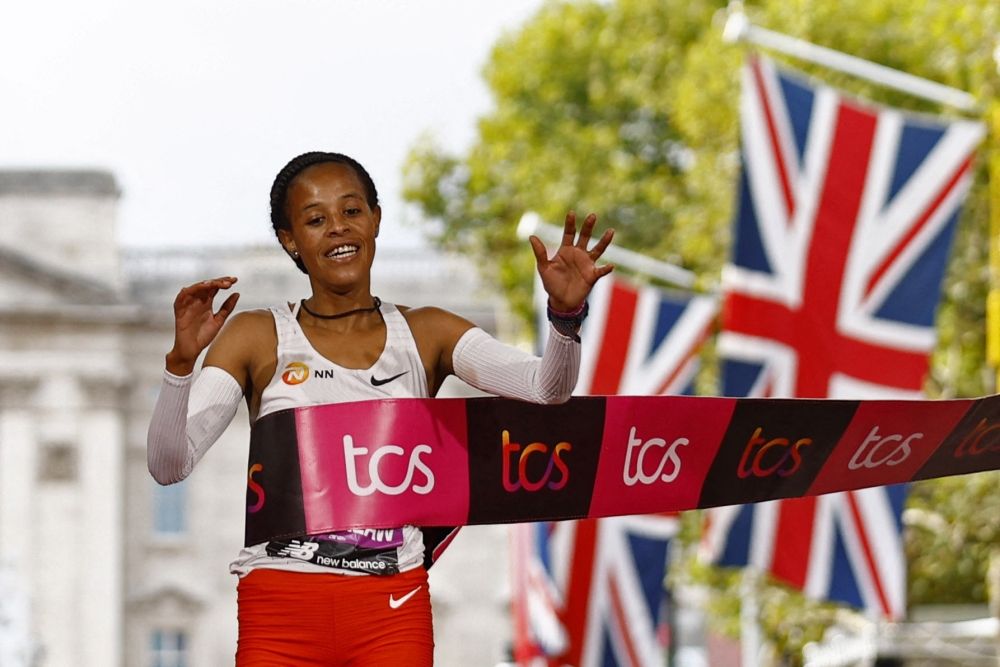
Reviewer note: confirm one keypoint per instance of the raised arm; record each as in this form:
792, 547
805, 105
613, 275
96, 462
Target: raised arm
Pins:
191, 414
196, 324
489, 365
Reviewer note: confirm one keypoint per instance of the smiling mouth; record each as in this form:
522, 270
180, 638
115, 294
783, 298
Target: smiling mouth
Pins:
343, 251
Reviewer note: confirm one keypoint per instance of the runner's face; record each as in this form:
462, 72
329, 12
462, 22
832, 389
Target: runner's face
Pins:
332, 227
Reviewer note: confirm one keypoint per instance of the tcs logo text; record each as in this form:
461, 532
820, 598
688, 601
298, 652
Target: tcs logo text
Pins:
874, 442
256, 488
376, 484
555, 460
973, 444
295, 373
767, 457
669, 456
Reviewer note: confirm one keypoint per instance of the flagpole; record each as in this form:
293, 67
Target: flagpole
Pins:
739, 28
531, 224
993, 300
750, 635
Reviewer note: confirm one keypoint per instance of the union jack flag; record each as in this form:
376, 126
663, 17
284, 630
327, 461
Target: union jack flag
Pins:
841, 546
641, 341
590, 593
845, 218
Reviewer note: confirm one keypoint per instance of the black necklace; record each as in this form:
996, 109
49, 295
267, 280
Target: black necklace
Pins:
378, 303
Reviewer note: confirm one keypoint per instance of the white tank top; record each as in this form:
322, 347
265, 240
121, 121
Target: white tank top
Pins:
303, 378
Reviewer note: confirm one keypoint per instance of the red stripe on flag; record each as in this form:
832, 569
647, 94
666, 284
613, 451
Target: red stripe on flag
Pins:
856, 358
581, 576
620, 626
866, 550
610, 366
520, 556
772, 133
684, 366
793, 540
826, 263
813, 325
905, 241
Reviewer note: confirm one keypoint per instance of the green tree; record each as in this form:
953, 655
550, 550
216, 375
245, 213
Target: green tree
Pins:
582, 121
629, 109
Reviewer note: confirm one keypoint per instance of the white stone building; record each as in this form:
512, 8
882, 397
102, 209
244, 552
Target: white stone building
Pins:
99, 566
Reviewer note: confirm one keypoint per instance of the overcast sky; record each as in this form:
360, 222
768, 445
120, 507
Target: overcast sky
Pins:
196, 104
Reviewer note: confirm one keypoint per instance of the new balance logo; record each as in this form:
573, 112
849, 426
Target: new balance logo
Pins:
376, 382
396, 604
300, 550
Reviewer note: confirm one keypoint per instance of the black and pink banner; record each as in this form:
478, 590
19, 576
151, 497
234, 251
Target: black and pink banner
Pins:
450, 462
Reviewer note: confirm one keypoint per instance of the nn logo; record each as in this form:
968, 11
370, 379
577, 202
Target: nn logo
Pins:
295, 373
523, 479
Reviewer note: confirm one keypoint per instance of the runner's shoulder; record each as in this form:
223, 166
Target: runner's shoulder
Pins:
438, 323
248, 329
250, 321
425, 312
430, 316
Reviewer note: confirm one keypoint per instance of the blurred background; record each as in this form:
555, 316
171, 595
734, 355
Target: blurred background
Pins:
139, 145
137, 149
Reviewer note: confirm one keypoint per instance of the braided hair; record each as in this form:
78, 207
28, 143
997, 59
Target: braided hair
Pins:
283, 182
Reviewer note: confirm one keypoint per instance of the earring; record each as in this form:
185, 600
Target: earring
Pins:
295, 254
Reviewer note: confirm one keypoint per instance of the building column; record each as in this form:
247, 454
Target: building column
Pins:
102, 484
18, 463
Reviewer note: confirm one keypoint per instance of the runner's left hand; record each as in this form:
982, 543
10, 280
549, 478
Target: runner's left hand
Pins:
571, 273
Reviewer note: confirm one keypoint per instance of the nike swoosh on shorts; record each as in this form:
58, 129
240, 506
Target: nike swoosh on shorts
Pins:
396, 604
378, 383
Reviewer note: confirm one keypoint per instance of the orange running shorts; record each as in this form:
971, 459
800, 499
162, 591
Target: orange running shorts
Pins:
295, 619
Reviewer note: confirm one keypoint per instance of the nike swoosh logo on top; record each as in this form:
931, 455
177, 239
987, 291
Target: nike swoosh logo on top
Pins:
378, 383
396, 604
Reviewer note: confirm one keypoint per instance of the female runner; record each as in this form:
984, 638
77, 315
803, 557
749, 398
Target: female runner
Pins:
293, 610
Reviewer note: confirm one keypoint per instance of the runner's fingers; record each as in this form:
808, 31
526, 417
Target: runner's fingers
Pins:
586, 231
537, 247
602, 244
203, 291
569, 229
214, 285
228, 306
196, 295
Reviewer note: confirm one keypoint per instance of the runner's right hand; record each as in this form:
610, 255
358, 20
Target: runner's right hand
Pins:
195, 323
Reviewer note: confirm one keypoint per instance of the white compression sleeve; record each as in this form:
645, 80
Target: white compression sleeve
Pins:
189, 416
491, 366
